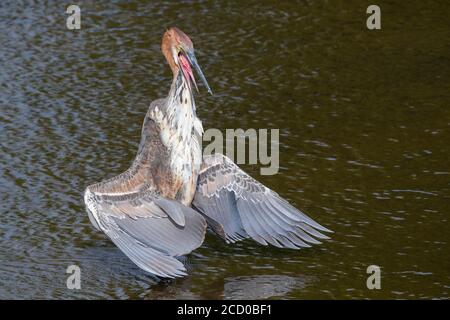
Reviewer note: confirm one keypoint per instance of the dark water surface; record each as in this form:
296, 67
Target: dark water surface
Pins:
364, 127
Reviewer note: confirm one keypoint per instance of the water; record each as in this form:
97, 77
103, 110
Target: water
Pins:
364, 126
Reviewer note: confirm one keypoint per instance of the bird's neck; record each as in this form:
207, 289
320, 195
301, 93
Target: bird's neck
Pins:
181, 133
180, 112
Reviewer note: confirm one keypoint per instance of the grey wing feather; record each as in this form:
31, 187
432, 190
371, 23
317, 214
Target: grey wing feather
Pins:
242, 207
147, 258
150, 230
173, 210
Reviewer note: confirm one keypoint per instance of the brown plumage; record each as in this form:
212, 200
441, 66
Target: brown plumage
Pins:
160, 207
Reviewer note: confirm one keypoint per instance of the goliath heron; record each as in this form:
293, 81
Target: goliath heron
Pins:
160, 207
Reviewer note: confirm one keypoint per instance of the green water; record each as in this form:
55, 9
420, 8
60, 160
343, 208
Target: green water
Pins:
364, 141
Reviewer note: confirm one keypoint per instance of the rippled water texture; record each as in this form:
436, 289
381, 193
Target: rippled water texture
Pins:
364, 128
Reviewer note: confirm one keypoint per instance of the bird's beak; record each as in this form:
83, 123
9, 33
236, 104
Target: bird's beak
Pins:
193, 62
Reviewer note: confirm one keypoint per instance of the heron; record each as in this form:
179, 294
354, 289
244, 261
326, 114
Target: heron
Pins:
160, 208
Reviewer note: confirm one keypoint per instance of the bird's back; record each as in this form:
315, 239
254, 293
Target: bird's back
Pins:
140, 211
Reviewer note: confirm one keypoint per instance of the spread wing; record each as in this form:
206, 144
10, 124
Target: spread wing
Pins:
237, 206
149, 229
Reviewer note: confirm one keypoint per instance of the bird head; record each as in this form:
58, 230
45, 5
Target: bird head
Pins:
179, 52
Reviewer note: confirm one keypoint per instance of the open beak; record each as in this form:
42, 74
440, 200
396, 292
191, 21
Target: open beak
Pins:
187, 71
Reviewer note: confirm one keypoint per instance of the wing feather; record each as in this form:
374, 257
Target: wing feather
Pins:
245, 208
152, 231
